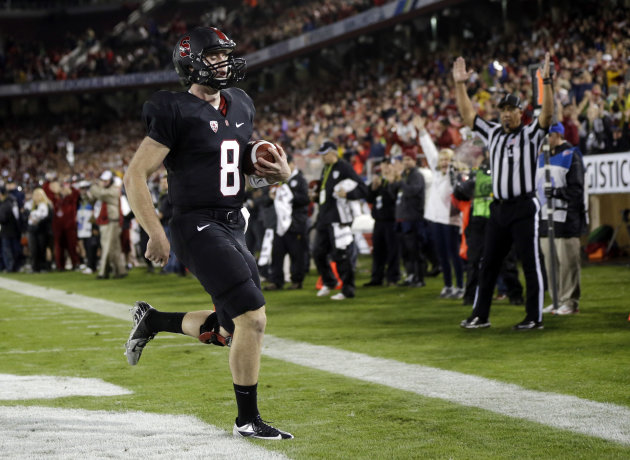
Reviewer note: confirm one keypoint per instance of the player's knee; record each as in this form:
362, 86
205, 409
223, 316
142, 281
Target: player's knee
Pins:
253, 320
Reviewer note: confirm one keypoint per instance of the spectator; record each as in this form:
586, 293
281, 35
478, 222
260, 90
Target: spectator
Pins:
596, 124
385, 251
109, 223
407, 184
571, 124
39, 229
9, 231
65, 200
443, 218
87, 231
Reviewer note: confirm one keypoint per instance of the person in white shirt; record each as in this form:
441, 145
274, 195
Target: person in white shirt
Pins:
444, 219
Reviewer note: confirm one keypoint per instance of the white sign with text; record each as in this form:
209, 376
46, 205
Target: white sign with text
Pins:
607, 173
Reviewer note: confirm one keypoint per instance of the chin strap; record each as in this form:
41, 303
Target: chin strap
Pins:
209, 332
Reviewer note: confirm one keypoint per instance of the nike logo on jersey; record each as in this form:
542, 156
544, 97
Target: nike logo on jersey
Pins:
238, 125
202, 227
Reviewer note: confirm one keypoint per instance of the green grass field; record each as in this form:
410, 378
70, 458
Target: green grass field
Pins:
332, 416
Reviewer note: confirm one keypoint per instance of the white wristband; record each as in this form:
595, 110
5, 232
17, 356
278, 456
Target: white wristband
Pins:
258, 182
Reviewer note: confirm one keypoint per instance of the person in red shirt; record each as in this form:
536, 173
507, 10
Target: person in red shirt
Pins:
65, 200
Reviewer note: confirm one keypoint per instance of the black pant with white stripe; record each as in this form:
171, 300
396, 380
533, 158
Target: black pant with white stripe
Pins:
512, 221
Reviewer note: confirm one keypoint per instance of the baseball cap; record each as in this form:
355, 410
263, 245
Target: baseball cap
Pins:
510, 100
557, 128
107, 175
326, 147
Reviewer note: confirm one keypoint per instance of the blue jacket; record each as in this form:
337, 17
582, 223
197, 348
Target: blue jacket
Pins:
567, 178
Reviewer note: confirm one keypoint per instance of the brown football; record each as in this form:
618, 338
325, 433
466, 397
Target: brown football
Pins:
255, 150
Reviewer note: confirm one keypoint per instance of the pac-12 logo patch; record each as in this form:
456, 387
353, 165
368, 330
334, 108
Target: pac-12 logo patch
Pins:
214, 126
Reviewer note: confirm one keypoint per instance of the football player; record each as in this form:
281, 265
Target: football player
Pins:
201, 136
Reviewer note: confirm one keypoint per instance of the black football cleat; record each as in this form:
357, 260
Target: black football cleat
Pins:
259, 429
140, 334
474, 322
527, 325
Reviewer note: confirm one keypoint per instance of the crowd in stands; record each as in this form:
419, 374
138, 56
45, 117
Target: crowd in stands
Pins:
370, 112
147, 45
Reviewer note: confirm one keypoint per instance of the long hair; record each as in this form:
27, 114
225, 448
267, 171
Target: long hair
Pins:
39, 196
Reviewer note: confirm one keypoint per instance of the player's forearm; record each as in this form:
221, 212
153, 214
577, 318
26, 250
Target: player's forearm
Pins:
141, 203
464, 105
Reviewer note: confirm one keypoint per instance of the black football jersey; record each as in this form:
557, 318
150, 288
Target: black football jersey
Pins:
206, 148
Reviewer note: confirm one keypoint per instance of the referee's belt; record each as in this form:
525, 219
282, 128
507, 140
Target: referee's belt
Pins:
516, 199
227, 216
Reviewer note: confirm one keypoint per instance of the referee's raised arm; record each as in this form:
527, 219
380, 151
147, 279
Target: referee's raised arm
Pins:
465, 107
546, 113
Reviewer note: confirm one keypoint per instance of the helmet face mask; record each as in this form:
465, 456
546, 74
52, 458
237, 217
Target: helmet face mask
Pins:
195, 62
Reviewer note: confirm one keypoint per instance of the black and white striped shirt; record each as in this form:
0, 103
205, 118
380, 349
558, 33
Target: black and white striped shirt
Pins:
512, 156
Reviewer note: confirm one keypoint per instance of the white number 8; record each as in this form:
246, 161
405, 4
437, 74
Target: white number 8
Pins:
230, 168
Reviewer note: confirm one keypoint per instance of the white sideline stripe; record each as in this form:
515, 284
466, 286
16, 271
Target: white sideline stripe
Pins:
14, 387
53, 433
602, 420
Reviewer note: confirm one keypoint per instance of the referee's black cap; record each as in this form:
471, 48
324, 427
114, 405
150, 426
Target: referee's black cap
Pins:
510, 100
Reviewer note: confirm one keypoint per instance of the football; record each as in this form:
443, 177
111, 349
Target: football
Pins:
255, 150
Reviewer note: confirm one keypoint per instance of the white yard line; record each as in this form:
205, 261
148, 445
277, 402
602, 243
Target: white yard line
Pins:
54, 433
17, 387
602, 420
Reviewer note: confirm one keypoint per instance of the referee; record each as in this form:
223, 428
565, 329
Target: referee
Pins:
513, 149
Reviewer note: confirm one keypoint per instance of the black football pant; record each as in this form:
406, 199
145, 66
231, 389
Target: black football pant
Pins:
511, 222
412, 234
475, 236
294, 244
324, 247
385, 252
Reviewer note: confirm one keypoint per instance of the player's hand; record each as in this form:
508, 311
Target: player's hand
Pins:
278, 171
546, 66
460, 75
158, 249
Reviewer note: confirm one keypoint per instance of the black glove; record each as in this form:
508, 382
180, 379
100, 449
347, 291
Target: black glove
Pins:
558, 193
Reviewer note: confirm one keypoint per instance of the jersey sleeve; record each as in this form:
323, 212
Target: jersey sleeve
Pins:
535, 131
159, 115
483, 127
